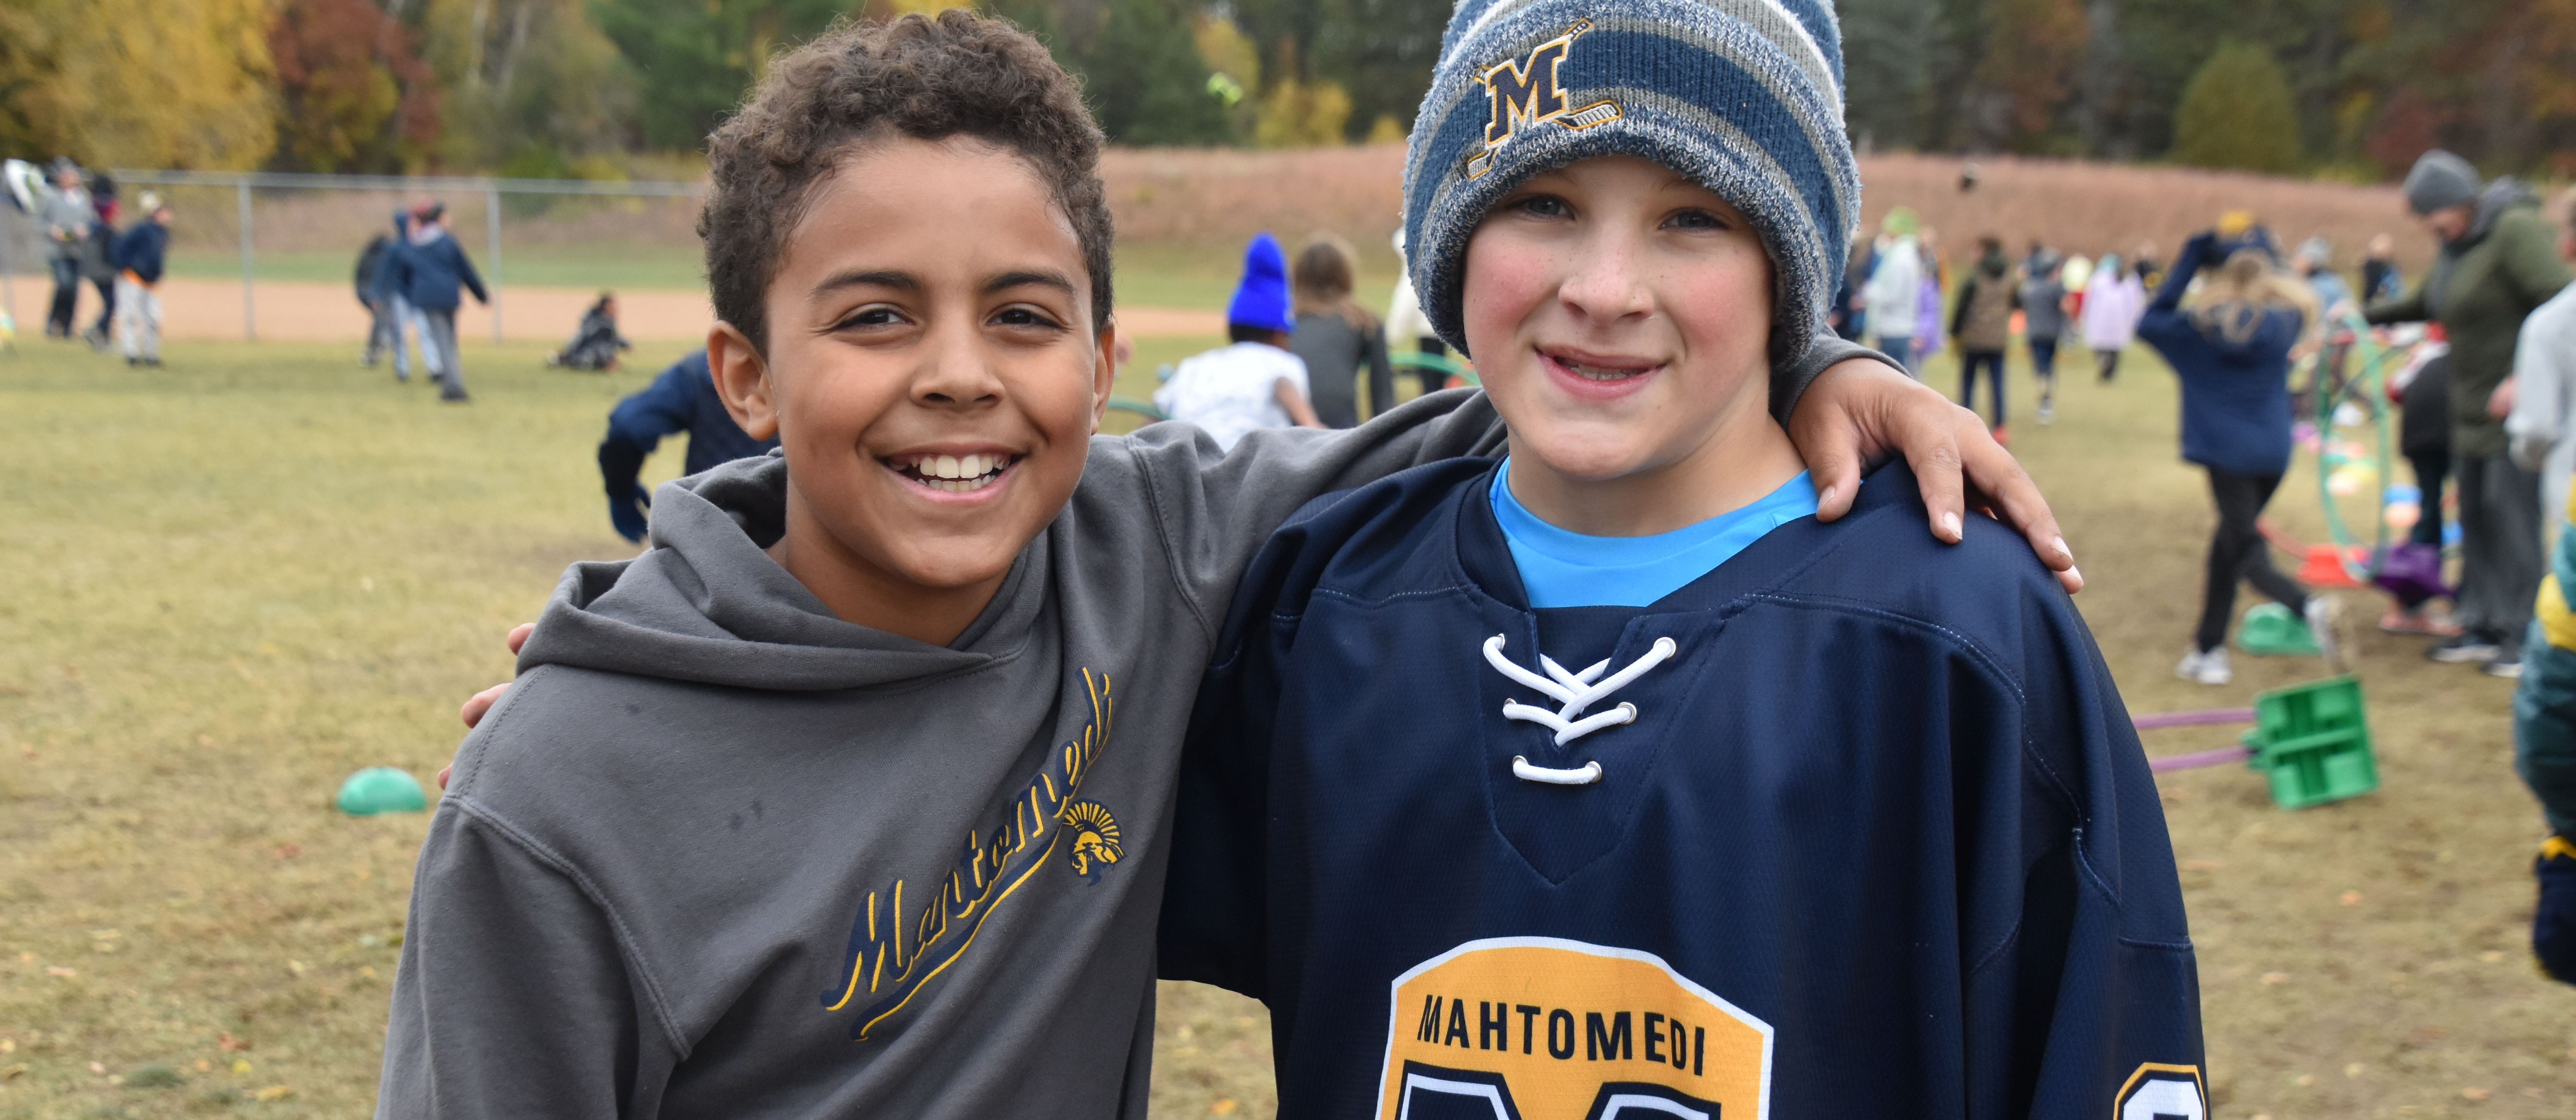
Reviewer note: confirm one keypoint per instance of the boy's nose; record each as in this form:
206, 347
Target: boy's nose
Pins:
954, 370
1603, 281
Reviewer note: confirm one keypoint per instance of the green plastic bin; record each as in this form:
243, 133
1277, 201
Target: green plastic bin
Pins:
2312, 741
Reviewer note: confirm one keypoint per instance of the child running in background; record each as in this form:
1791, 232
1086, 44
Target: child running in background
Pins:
1686, 804
1335, 337
1254, 381
2042, 300
2232, 349
851, 795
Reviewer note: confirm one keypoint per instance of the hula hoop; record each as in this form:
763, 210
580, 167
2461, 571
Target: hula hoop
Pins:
2201, 717
2364, 390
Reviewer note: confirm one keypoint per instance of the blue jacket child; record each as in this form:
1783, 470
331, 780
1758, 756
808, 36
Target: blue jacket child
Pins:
428, 273
143, 250
682, 399
2235, 374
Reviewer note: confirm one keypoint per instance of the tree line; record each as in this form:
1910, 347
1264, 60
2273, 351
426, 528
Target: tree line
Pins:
598, 88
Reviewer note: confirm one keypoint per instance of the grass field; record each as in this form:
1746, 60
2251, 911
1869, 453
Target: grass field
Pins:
235, 579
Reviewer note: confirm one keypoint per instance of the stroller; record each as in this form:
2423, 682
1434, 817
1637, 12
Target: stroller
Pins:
596, 344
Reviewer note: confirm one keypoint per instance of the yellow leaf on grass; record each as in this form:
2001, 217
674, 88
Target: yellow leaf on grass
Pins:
273, 1093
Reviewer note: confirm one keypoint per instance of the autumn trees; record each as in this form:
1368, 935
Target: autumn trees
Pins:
577, 87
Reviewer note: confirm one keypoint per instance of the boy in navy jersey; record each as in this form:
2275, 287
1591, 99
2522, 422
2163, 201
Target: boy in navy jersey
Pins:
1688, 805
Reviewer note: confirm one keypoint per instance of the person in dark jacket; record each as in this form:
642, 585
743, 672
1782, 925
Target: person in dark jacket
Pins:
1850, 317
2232, 351
428, 273
2380, 277
1982, 322
2042, 300
98, 260
384, 330
1335, 336
682, 399
2499, 261
2424, 438
138, 258
595, 343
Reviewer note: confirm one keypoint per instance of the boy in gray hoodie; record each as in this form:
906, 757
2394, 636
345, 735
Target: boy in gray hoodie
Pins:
849, 796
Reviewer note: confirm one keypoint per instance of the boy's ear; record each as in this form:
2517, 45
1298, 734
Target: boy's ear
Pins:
1104, 371
742, 379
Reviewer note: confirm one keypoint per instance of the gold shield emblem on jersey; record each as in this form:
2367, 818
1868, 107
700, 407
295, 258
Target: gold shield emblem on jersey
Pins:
1537, 1028
2162, 1092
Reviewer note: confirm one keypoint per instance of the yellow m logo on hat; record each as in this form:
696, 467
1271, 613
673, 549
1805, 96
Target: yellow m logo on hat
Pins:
1525, 92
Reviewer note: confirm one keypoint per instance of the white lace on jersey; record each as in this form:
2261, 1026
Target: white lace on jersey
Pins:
1575, 692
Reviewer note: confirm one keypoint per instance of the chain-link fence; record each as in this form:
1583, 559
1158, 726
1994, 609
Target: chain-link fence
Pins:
290, 243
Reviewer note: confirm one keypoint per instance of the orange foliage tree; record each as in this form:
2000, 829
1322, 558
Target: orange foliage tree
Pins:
353, 92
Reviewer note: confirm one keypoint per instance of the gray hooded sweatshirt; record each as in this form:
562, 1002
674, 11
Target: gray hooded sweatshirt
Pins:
721, 853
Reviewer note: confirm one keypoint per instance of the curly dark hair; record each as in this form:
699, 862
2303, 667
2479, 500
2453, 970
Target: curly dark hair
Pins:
956, 74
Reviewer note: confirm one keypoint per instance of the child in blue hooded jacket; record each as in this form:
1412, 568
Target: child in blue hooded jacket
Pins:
2232, 349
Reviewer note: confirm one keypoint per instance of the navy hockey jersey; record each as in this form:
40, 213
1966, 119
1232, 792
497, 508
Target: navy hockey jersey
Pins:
1854, 825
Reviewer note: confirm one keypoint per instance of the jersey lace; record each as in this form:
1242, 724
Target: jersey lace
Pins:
1573, 692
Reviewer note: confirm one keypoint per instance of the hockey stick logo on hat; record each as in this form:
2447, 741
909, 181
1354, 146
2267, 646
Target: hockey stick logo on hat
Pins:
1525, 94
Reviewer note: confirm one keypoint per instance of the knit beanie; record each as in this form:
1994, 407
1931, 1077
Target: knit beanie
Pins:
1261, 298
1742, 96
2439, 181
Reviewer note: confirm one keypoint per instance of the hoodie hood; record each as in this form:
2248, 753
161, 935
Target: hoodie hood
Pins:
707, 605
2505, 193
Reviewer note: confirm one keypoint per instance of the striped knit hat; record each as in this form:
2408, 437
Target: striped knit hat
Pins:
1743, 96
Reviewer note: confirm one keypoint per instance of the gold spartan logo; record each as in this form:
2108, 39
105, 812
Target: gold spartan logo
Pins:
1525, 94
1095, 836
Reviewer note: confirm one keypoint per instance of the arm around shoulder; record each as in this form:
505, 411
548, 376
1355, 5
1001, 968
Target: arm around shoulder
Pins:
514, 996
1212, 508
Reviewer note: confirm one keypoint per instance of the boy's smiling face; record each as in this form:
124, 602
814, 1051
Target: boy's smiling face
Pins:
932, 374
1620, 317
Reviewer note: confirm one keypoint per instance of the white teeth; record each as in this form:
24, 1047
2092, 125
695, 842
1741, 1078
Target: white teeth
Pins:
956, 474
1595, 373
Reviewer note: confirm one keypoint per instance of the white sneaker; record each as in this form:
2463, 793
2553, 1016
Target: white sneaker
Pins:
2206, 667
2323, 615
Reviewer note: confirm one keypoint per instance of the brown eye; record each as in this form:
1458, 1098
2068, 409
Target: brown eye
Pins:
1696, 219
1544, 206
1024, 317
875, 316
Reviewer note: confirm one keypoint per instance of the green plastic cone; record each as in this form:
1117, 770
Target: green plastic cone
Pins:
2270, 629
381, 789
